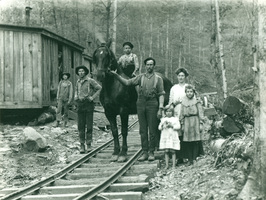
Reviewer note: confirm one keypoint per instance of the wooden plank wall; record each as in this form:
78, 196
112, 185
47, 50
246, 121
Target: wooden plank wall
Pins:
50, 69
29, 70
45, 71
54, 75
8, 68
20, 64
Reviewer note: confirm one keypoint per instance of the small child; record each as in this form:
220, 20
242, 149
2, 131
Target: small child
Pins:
64, 98
129, 61
191, 116
169, 137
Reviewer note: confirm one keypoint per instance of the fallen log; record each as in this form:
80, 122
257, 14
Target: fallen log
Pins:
216, 145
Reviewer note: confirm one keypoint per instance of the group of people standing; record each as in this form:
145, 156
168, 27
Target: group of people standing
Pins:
180, 119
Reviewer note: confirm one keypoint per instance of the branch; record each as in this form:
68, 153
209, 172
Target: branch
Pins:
103, 3
120, 12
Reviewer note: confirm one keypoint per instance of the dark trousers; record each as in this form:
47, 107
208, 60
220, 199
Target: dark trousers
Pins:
85, 123
148, 123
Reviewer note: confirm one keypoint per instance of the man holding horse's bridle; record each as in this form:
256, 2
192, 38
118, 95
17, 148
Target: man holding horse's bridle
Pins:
149, 105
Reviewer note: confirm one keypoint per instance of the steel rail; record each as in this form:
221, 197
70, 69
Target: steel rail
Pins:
105, 184
36, 186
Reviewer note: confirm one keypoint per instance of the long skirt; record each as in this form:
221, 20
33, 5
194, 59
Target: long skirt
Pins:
192, 150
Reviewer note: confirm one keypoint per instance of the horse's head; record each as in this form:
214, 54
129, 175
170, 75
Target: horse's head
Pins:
105, 61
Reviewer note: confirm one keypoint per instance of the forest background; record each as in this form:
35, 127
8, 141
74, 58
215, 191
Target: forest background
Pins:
177, 33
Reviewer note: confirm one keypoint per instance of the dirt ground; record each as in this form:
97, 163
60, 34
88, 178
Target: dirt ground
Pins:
202, 180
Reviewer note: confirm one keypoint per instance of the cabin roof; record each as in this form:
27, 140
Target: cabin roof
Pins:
44, 32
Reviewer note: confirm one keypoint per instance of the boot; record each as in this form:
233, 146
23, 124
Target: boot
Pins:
144, 156
82, 148
65, 123
89, 147
151, 156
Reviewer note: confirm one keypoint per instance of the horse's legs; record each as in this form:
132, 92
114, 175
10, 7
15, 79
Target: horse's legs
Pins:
112, 120
124, 130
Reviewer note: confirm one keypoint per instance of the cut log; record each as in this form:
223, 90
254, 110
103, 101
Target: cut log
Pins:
231, 105
230, 125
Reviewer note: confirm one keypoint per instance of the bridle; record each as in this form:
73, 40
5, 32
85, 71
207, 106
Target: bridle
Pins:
109, 54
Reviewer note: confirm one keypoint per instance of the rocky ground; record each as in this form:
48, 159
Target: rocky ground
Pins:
202, 180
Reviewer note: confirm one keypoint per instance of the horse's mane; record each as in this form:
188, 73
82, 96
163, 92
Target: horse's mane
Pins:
114, 62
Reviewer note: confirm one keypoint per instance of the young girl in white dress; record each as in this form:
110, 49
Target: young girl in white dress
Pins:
169, 141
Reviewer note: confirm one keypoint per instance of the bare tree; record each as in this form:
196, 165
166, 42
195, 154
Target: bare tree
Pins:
108, 13
114, 27
167, 47
221, 53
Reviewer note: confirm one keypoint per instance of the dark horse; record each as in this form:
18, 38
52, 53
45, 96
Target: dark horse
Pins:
116, 98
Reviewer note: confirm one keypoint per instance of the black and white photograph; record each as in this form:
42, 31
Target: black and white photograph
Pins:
132, 99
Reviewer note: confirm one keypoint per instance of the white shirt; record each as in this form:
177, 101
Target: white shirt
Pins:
177, 93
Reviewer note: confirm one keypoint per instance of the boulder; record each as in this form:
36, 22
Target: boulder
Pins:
33, 141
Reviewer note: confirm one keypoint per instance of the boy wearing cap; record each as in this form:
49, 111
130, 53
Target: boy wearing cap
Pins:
86, 90
64, 98
129, 61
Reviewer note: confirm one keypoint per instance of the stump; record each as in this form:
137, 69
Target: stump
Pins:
231, 105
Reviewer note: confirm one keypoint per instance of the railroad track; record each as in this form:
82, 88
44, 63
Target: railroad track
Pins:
94, 176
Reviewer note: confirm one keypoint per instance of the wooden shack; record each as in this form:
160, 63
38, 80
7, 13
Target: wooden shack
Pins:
32, 60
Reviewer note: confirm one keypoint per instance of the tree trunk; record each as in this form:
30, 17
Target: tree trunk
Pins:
78, 27
189, 47
171, 65
140, 57
151, 39
114, 27
239, 65
54, 15
41, 13
221, 53
93, 25
255, 187
167, 47
108, 12
180, 57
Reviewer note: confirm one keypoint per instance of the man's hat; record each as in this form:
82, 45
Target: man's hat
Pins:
129, 44
66, 73
82, 67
